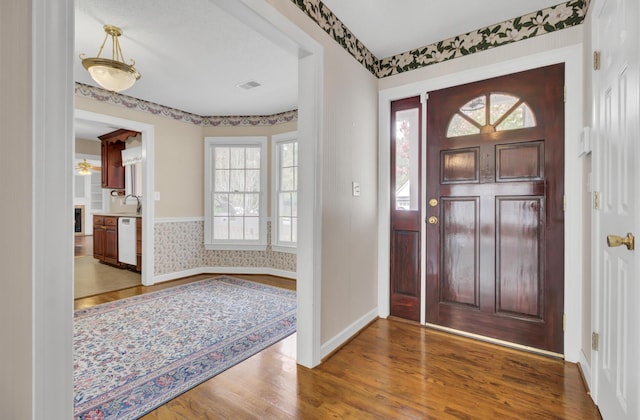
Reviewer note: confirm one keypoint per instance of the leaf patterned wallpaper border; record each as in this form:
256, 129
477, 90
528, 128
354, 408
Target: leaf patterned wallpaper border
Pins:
542, 22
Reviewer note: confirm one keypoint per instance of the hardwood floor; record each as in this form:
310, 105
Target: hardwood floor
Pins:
392, 369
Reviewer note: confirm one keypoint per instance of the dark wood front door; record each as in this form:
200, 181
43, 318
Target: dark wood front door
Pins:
406, 219
495, 232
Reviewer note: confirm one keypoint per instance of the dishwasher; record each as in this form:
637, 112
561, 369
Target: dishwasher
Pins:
127, 240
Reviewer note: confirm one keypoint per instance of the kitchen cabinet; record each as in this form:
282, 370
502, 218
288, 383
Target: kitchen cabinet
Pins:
105, 239
139, 244
113, 144
98, 237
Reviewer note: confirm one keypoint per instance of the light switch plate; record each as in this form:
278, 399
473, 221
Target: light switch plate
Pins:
156, 196
584, 143
355, 189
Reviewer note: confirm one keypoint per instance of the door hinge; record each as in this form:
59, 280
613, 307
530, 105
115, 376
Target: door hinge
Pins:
595, 341
564, 322
596, 60
564, 202
596, 200
565, 93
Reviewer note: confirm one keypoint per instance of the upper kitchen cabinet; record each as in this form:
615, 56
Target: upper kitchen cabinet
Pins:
112, 145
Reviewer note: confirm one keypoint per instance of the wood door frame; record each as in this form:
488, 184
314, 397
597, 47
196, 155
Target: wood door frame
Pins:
518, 61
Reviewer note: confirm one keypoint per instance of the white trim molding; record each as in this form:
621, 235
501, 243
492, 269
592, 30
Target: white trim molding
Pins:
224, 270
148, 182
343, 336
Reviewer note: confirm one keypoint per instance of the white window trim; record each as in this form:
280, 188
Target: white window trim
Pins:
234, 245
275, 161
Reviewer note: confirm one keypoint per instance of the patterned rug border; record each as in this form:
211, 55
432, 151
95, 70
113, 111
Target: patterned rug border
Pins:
148, 392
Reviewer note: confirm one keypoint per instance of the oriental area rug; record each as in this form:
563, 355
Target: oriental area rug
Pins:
133, 355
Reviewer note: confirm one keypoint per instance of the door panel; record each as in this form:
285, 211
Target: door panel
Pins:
460, 282
616, 157
519, 240
406, 219
495, 259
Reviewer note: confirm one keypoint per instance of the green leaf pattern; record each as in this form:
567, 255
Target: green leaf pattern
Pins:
542, 22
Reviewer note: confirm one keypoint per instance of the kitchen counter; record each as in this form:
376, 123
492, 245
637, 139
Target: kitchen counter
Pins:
117, 214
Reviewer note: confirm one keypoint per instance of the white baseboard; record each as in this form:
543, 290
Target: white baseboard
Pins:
347, 333
224, 270
586, 369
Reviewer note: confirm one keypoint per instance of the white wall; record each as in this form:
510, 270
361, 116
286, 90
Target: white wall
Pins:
348, 153
36, 169
15, 212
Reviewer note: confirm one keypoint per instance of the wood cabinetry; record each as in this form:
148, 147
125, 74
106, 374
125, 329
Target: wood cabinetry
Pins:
139, 244
105, 239
98, 237
113, 144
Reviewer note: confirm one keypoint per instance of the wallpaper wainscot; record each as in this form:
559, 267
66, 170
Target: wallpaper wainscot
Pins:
179, 243
179, 246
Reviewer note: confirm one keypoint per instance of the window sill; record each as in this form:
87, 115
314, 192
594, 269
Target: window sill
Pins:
283, 248
235, 247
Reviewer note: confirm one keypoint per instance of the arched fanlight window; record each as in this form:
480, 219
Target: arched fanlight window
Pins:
490, 113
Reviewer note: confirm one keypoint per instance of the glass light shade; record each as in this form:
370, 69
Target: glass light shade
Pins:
84, 172
111, 75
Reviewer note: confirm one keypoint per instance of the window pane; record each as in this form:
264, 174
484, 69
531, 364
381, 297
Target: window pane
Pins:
286, 154
220, 228
284, 204
284, 229
236, 204
252, 204
251, 228
476, 110
461, 127
406, 159
220, 204
236, 182
500, 104
222, 157
252, 180
294, 204
221, 180
237, 158
521, 117
253, 157
294, 229
287, 179
236, 227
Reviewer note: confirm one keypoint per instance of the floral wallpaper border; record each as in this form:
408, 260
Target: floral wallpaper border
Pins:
542, 22
130, 102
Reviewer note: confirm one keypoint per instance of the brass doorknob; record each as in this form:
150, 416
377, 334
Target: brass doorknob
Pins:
433, 220
615, 240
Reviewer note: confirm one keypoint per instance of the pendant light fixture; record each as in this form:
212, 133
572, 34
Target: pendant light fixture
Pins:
112, 74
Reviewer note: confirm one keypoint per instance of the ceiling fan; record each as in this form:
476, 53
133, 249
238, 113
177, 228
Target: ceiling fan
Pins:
85, 168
